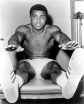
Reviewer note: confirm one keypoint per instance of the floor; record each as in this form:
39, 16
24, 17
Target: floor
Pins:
52, 101
55, 101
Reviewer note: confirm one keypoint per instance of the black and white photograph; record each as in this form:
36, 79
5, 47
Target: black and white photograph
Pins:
41, 51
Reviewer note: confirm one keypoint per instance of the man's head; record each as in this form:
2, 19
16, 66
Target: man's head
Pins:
40, 8
38, 14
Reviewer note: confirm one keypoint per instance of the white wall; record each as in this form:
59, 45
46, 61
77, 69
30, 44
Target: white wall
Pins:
16, 12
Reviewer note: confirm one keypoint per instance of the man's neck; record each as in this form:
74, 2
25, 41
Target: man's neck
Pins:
38, 31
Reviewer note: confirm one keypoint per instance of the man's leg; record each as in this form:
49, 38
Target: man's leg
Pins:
24, 72
51, 71
8, 80
63, 59
76, 69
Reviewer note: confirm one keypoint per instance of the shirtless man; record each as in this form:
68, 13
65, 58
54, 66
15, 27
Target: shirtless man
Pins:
37, 39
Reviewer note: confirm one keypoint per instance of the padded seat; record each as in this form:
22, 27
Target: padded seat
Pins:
38, 89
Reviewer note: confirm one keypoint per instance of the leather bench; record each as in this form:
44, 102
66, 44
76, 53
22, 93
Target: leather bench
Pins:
38, 89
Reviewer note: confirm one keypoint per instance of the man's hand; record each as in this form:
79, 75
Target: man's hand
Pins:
14, 48
71, 45
19, 49
11, 48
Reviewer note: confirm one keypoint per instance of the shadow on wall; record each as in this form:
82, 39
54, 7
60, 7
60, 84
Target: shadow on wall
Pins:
49, 20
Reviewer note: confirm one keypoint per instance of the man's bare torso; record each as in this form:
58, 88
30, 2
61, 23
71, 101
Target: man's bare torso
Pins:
38, 44
43, 43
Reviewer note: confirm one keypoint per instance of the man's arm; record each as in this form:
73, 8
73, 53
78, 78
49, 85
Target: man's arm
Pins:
17, 38
64, 41
63, 38
59, 36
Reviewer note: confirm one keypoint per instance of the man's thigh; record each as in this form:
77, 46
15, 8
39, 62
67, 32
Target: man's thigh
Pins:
51, 67
63, 58
24, 68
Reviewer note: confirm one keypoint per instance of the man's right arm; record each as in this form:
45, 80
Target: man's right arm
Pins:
17, 38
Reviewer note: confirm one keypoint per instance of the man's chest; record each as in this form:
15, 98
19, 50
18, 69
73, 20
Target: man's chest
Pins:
40, 40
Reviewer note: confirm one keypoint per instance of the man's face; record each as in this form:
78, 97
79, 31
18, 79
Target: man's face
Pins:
38, 19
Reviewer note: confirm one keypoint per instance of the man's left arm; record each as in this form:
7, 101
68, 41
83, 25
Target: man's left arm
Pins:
63, 38
64, 41
59, 36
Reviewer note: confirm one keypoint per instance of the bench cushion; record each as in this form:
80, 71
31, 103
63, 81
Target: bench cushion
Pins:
40, 86
38, 89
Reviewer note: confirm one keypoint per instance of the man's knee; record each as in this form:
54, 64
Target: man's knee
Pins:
79, 52
4, 55
78, 55
5, 61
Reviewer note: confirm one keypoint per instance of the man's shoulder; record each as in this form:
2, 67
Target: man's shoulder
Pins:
53, 28
23, 28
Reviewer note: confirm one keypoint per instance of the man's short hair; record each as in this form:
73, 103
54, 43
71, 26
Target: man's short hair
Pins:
38, 7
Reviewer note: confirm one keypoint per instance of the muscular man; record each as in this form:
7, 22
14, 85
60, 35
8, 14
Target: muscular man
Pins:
38, 40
